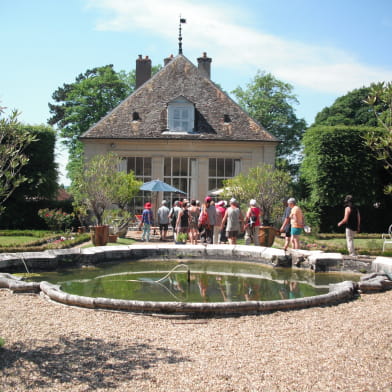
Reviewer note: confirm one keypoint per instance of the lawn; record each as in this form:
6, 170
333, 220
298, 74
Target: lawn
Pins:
370, 244
37, 240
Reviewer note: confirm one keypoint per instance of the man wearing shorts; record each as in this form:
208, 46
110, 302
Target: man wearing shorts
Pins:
163, 219
296, 221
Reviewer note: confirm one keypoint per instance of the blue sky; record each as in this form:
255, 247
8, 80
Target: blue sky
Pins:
322, 48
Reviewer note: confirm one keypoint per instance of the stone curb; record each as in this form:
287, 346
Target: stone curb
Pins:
58, 258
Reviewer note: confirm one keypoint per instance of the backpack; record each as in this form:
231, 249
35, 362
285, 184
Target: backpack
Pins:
203, 218
174, 215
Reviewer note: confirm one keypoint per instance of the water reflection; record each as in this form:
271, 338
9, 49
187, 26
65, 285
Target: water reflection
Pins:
206, 282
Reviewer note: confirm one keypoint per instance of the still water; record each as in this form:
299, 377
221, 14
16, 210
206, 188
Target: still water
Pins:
194, 281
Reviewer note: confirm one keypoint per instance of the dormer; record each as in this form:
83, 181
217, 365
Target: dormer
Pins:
181, 116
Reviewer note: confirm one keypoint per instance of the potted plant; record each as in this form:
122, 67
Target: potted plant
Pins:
97, 186
181, 238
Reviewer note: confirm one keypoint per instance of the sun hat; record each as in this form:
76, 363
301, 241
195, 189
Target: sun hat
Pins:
147, 205
252, 202
164, 202
233, 201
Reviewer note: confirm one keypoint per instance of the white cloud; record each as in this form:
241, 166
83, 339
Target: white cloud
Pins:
235, 46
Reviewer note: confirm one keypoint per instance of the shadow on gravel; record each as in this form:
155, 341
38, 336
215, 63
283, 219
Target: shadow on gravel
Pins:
88, 361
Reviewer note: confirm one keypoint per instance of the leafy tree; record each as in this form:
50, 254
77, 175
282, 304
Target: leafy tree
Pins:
13, 143
370, 106
268, 186
124, 188
129, 78
349, 109
100, 184
338, 162
380, 97
269, 101
81, 104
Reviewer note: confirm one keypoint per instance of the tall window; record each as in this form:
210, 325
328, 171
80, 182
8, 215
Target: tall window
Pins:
178, 173
220, 169
181, 115
142, 168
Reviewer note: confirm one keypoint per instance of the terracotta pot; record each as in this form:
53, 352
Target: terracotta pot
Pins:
267, 235
112, 238
99, 235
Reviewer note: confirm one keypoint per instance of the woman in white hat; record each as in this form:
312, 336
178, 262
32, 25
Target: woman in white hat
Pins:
234, 220
252, 223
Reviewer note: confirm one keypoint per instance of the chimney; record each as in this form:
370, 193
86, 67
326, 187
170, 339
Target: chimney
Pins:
143, 70
204, 65
167, 60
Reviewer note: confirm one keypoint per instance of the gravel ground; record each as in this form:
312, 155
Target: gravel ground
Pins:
51, 347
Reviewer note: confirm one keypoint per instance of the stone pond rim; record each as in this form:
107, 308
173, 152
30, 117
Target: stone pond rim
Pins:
315, 260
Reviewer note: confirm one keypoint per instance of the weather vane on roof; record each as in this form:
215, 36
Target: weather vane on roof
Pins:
182, 20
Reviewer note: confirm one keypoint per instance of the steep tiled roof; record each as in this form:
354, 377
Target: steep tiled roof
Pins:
179, 78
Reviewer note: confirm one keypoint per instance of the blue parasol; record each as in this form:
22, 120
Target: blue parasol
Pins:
159, 186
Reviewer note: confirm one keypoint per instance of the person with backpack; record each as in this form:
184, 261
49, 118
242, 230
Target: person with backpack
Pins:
252, 223
183, 219
207, 220
173, 215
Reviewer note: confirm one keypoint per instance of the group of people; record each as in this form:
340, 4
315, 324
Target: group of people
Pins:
209, 222
222, 222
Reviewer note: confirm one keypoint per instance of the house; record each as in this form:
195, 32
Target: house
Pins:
180, 127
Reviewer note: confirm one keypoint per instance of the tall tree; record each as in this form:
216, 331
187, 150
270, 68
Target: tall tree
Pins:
81, 104
370, 106
349, 109
13, 142
380, 100
270, 102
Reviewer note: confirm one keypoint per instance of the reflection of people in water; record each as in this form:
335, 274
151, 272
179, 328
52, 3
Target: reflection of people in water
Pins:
284, 290
251, 290
203, 286
290, 290
225, 287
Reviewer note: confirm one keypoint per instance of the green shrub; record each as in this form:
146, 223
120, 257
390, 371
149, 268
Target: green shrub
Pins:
56, 220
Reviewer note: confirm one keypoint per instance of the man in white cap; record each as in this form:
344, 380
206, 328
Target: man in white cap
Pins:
163, 219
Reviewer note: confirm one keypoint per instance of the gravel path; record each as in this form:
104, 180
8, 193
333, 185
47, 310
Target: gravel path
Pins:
51, 347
